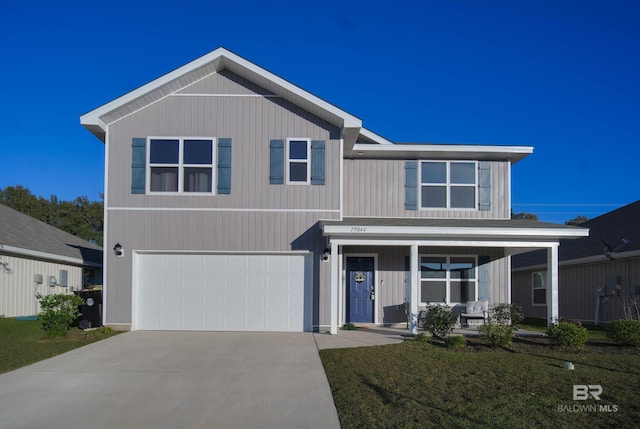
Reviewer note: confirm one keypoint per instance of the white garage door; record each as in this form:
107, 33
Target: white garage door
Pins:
204, 292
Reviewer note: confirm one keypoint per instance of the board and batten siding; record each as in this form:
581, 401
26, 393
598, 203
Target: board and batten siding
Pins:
18, 289
577, 285
251, 122
376, 187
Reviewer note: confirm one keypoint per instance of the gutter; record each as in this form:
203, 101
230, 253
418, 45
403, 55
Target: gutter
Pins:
48, 256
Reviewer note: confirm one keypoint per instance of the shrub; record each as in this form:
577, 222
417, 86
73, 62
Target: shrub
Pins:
349, 327
567, 334
440, 321
625, 332
455, 341
506, 314
58, 313
496, 334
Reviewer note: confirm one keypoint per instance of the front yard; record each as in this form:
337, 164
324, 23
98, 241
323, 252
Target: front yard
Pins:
423, 384
24, 342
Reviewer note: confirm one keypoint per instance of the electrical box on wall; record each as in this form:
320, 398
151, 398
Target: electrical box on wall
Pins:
37, 278
51, 281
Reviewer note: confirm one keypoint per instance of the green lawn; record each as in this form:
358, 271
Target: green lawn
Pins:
422, 384
24, 342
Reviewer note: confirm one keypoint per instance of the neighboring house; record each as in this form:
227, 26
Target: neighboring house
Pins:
239, 201
597, 275
37, 259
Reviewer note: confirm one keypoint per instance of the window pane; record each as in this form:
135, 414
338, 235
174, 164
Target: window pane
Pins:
462, 268
539, 296
538, 280
298, 172
434, 196
463, 172
463, 197
462, 292
164, 179
197, 180
164, 151
198, 151
434, 172
433, 268
433, 291
298, 149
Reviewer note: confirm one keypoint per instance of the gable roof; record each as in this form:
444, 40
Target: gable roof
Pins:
359, 141
24, 235
98, 119
618, 231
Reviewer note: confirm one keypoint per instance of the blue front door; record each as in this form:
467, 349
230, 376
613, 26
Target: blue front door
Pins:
360, 290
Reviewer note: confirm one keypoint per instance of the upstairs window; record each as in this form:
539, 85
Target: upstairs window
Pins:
448, 184
181, 165
298, 161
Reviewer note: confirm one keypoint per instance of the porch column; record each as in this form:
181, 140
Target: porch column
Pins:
552, 285
333, 299
413, 305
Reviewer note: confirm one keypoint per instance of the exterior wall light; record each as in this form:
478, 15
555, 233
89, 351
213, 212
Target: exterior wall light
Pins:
117, 250
325, 255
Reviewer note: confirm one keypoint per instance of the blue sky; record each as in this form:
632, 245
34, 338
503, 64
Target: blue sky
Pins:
562, 76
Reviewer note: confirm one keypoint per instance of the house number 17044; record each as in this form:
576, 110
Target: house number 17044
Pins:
358, 229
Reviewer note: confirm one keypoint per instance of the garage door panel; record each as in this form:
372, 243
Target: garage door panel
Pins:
221, 292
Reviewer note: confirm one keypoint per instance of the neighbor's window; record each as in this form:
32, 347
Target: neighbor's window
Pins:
539, 288
181, 165
448, 184
298, 161
448, 279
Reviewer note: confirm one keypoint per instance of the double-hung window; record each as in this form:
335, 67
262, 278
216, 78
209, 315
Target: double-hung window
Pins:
448, 279
539, 288
448, 184
181, 165
298, 161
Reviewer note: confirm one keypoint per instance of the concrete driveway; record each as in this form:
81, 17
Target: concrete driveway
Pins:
174, 380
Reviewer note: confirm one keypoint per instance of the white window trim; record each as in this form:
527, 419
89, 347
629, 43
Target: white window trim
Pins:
298, 161
181, 165
543, 275
447, 279
448, 185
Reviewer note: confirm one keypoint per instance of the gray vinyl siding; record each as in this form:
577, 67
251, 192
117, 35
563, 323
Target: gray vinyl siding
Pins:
577, 286
250, 122
376, 187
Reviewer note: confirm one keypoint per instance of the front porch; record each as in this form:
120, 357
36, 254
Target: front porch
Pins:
430, 261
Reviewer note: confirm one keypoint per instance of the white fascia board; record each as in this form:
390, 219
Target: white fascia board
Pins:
417, 231
228, 59
375, 137
441, 242
449, 148
46, 255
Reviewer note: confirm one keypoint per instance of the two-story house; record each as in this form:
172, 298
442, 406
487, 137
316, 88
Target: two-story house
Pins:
235, 200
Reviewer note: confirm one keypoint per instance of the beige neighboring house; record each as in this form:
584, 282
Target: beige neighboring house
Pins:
37, 259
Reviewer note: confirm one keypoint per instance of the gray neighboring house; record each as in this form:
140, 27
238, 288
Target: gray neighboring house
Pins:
39, 259
237, 201
596, 275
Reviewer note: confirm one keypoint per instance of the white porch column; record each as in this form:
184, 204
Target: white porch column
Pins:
413, 312
333, 299
552, 285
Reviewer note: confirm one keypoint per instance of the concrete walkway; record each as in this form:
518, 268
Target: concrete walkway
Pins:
174, 380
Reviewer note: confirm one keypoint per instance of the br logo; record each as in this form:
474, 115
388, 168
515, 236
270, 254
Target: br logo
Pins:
582, 392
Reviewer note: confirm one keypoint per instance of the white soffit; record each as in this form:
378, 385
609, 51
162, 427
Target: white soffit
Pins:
434, 151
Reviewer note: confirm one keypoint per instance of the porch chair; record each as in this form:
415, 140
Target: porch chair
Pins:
476, 311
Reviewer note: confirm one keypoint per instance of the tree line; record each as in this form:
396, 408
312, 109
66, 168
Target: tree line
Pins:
80, 217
